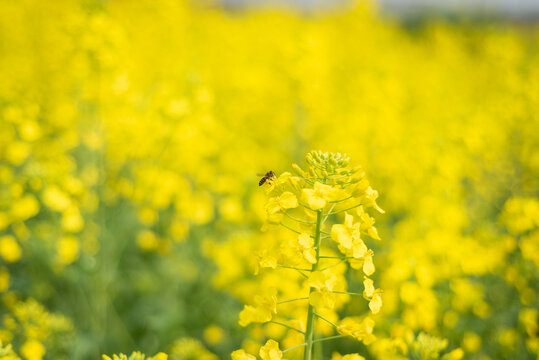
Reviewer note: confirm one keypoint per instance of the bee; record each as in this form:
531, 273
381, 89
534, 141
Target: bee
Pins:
269, 176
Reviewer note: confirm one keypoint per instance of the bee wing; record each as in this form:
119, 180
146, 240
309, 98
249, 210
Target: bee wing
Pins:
260, 174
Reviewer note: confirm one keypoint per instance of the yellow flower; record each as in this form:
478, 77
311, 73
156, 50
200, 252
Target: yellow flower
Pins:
368, 265
271, 351
323, 296
147, 240
25, 207
360, 330
242, 355
376, 303
318, 197
369, 287
56, 199
337, 356
10, 249
367, 223
268, 300
33, 350
456, 354
213, 334
68, 250
72, 220
160, 356
353, 357
370, 197
281, 182
251, 314
345, 234
265, 306
358, 189
305, 246
276, 206
265, 260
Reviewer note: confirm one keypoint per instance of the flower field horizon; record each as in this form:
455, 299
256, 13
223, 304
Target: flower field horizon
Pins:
131, 216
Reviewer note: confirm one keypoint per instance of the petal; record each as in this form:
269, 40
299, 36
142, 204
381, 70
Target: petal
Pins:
288, 200
313, 199
241, 355
368, 266
345, 240
305, 241
336, 230
359, 249
369, 287
310, 255
376, 303
316, 299
316, 203
348, 220
270, 351
275, 218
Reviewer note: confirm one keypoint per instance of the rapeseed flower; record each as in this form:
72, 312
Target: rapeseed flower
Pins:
319, 195
33, 350
270, 351
324, 284
361, 330
323, 194
276, 206
242, 355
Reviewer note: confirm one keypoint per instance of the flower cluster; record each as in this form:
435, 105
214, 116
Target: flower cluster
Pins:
305, 204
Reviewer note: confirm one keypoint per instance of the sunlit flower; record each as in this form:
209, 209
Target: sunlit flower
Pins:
361, 330
376, 303
318, 197
324, 284
270, 351
33, 350
369, 287
242, 355
265, 306
265, 259
276, 206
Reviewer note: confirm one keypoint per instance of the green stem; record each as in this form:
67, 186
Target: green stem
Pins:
293, 230
299, 220
328, 338
330, 266
290, 300
293, 268
309, 332
327, 216
287, 326
337, 201
306, 206
289, 228
347, 293
326, 320
294, 347
340, 211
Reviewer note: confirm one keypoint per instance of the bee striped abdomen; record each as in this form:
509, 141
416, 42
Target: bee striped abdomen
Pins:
267, 177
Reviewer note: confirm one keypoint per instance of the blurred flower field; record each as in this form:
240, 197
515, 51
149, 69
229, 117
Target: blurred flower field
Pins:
131, 219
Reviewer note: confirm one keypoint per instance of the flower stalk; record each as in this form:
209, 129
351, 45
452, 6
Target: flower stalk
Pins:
304, 207
309, 332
